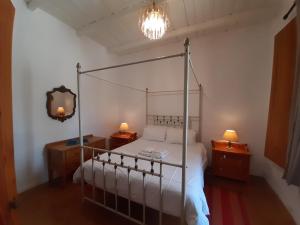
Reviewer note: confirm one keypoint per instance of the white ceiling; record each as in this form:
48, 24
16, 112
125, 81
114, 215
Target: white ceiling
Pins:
114, 23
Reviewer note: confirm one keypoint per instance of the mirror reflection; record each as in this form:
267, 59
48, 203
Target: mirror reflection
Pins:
61, 103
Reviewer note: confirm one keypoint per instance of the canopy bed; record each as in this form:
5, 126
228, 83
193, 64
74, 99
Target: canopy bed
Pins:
172, 184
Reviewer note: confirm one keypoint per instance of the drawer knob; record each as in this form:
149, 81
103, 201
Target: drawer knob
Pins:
224, 156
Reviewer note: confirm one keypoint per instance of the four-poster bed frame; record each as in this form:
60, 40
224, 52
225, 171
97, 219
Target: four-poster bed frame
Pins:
95, 151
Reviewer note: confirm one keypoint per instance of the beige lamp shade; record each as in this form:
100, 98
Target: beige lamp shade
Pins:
60, 111
123, 127
230, 135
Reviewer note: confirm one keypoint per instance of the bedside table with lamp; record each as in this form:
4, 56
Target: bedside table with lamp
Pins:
123, 137
230, 159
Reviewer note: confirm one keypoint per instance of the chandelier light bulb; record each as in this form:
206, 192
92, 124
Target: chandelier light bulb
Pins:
154, 22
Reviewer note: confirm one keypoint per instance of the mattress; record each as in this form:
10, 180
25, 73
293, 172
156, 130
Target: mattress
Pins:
196, 206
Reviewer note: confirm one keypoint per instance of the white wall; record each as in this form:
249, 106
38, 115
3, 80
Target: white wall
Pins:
235, 70
45, 52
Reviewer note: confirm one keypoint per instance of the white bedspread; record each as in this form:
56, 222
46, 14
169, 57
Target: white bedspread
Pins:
196, 205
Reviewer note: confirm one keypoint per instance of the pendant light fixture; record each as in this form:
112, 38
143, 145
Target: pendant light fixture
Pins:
154, 22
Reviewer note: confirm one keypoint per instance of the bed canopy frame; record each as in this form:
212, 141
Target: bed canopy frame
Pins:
177, 121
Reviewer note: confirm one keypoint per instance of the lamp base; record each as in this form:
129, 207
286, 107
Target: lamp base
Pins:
229, 146
123, 132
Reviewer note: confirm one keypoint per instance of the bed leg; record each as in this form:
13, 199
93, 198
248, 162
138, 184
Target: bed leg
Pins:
93, 174
104, 185
161, 194
116, 188
129, 193
144, 199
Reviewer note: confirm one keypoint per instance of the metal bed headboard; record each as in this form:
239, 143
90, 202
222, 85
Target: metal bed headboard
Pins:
193, 122
168, 121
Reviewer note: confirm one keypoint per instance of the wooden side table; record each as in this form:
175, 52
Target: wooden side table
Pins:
232, 163
64, 159
122, 138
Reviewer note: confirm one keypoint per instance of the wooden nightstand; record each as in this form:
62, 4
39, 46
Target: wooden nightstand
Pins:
232, 163
64, 159
119, 139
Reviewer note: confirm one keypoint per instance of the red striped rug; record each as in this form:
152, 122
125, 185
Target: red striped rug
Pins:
226, 207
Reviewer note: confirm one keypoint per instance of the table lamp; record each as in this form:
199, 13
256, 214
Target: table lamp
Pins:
123, 127
230, 136
60, 111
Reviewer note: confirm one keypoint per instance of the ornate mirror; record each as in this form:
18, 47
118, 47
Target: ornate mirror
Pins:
61, 103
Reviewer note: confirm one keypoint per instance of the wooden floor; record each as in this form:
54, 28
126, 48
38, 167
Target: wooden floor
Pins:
48, 205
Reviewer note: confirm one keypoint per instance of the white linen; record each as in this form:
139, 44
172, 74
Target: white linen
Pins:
196, 205
151, 153
155, 133
175, 136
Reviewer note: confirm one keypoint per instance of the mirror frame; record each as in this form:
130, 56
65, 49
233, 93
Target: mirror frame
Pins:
61, 89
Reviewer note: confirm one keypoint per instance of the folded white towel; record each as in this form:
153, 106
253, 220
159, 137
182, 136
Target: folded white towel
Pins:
153, 154
146, 154
159, 155
148, 150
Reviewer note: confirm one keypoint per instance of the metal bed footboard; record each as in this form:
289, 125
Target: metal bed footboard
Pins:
96, 156
186, 71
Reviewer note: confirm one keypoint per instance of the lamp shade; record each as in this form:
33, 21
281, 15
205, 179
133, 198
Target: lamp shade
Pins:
230, 135
123, 127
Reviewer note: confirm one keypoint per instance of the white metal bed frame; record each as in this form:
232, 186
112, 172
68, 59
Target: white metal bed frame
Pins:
184, 122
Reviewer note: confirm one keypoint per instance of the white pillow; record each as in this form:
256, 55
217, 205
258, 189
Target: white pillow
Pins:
175, 136
154, 133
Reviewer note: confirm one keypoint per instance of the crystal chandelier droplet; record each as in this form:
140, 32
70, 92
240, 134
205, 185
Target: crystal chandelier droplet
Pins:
154, 22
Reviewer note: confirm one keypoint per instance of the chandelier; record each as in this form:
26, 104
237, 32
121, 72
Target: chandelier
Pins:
154, 22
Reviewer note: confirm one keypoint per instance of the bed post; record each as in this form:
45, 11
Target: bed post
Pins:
147, 106
200, 114
78, 66
185, 127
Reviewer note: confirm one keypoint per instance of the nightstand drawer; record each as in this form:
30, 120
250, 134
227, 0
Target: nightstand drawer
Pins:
231, 165
119, 139
115, 143
229, 160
